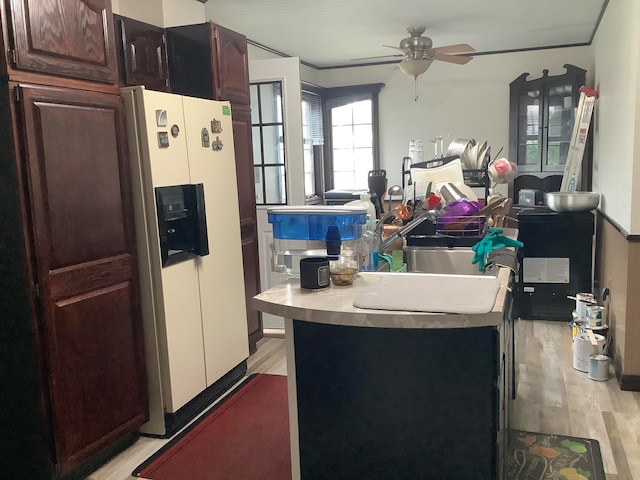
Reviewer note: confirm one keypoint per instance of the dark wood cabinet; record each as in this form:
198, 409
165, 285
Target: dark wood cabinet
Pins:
248, 224
71, 347
142, 54
69, 38
541, 120
75, 268
210, 61
230, 66
86, 275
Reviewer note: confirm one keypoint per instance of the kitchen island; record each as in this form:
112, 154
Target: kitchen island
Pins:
384, 394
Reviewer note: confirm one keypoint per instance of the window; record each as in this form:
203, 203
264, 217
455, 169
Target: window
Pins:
351, 124
313, 139
340, 139
268, 143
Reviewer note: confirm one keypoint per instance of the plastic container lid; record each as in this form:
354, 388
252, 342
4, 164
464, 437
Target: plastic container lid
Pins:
312, 222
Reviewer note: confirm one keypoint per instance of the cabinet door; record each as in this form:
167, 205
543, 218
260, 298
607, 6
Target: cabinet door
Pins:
83, 240
142, 54
541, 119
528, 141
560, 101
231, 66
70, 38
248, 222
190, 56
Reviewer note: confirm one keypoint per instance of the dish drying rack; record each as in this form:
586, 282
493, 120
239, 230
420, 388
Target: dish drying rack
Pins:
472, 178
469, 231
463, 226
460, 231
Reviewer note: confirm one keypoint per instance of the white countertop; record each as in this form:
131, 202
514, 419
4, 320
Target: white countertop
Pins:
334, 306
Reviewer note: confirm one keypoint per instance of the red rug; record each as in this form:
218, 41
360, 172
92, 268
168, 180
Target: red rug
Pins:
246, 437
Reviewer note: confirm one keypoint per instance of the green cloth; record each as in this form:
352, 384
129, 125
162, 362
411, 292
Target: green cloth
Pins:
491, 241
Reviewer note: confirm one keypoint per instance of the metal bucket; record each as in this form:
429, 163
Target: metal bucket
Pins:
583, 350
598, 368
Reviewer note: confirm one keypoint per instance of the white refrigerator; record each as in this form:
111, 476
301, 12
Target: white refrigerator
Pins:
194, 306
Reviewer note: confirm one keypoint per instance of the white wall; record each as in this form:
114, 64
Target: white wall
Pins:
182, 12
307, 74
163, 13
617, 115
470, 101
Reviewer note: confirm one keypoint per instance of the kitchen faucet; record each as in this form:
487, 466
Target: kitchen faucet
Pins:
379, 245
431, 215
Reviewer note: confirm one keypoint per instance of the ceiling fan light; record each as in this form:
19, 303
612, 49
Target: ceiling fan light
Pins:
414, 67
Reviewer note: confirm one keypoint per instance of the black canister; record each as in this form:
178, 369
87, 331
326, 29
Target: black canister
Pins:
314, 273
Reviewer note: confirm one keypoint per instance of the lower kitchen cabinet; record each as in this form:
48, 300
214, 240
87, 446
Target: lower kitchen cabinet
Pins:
400, 403
248, 218
394, 394
71, 348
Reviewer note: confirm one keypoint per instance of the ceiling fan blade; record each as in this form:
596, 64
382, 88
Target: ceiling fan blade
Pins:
460, 60
395, 48
458, 48
380, 56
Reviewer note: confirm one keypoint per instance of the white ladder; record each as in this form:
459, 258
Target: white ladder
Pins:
578, 139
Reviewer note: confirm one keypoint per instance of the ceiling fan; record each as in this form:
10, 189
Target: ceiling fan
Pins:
419, 55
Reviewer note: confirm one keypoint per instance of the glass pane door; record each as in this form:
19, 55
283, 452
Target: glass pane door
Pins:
530, 130
267, 124
560, 126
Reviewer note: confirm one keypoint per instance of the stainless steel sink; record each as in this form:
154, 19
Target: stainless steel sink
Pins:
442, 260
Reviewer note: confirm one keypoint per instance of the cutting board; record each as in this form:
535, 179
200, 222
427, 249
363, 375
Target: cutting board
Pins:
467, 294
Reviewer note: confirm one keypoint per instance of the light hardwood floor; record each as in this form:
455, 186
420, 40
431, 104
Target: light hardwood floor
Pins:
552, 397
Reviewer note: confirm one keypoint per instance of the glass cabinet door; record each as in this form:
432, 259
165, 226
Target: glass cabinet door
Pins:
541, 120
530, 129
560, 112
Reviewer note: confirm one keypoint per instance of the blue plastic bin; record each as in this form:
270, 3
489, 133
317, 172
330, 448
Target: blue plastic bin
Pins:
312, 222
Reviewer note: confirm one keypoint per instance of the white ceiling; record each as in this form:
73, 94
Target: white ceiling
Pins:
329, 33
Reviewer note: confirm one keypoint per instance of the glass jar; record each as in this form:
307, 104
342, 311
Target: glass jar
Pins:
344, 270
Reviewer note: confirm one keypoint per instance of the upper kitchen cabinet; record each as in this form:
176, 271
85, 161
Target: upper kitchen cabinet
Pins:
67, 38
209, 61
142, 54
541, 118
231, 65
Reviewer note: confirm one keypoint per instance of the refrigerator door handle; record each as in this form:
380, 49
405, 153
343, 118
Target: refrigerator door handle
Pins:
202, 244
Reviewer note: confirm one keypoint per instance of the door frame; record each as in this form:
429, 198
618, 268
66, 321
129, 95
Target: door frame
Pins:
287, 71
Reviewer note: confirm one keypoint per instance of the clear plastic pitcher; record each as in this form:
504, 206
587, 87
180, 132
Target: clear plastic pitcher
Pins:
415, 151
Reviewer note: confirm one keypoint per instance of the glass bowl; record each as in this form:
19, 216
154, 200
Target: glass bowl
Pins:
343, 275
